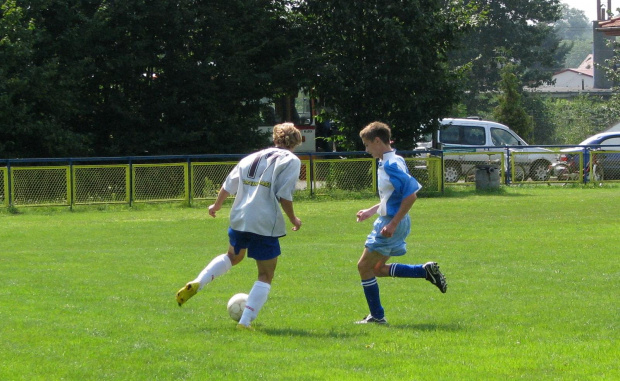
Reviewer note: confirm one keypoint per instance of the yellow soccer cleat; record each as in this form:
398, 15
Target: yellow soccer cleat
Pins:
189, 290
241, 327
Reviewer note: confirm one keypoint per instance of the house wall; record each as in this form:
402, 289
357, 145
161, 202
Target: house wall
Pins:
573, 80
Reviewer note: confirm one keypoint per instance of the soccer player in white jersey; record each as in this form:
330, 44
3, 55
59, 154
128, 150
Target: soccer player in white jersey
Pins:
262, 182
397, 193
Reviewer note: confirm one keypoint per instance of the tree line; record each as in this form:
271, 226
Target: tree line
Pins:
149, 77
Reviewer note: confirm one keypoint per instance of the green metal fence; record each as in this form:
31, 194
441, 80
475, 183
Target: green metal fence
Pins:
207, 178
68, 182
95, 184
4, 191
31, 186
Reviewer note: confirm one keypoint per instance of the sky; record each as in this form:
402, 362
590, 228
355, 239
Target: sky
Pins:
589, 6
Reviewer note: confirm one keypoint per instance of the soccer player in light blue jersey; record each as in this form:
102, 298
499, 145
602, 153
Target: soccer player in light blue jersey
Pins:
397, 193
263, 183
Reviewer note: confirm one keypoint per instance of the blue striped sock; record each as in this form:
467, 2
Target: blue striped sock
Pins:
371, 291
398, 270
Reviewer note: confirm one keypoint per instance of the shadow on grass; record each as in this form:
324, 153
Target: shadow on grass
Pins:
454, 327
308, 333
339, 334
468, 191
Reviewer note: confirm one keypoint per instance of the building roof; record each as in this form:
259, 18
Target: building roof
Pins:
585, 68
587, 64
610, 27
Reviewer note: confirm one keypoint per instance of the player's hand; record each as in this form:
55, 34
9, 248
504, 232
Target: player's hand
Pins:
388, 230
296, 224
213, 209
362, 215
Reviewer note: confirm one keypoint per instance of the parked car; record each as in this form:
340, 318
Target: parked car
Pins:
476, 140
604, 147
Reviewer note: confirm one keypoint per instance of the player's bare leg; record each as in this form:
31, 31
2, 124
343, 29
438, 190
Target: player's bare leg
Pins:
217, 267
260, 291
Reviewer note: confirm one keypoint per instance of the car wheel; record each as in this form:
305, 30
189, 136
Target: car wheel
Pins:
539, 172
452, 173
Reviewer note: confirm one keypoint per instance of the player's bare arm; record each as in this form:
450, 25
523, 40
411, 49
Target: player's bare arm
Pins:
366, 213
287, 206
221, 197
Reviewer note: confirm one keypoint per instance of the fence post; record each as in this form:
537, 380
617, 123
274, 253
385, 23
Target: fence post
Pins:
586, 156
508, 169
189, 182
9, 182
130, 183
70, 185
311, 180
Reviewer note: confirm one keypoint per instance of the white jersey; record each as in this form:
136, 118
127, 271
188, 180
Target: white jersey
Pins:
259, 181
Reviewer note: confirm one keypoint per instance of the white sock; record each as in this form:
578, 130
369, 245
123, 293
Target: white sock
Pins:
218, 266
256, 299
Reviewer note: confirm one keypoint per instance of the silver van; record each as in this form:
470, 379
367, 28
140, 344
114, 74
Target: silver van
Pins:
469, 142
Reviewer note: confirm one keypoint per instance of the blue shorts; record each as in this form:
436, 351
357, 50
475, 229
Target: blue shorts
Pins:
393, 246
259, 247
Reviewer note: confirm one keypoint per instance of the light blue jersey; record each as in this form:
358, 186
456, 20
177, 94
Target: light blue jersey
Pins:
395, 183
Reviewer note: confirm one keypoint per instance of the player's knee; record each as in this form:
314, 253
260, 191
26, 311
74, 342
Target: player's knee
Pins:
235, 258
363, 266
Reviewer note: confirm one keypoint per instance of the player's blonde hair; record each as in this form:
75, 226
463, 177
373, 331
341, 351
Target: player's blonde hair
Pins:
286, 135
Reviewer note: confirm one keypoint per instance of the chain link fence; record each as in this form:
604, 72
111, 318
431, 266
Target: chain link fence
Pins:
31, 186
108, 184
36, 182
207, 179
4, 195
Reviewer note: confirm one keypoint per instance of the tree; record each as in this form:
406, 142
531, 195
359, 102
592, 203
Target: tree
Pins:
383, 60
578, 118
36, 99
516, 31
187, 77
573, 24
140, 77
575, 31
612, 69
510, 110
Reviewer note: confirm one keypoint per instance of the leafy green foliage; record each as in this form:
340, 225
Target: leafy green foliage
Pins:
579, 118
87, 78
516, 31
383, 60
137, 77
510, 110
573, 25
544, 126
575, 31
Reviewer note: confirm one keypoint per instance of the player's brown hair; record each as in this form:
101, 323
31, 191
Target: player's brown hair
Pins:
377, 130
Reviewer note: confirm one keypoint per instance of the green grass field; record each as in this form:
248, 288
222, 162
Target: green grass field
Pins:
533, 294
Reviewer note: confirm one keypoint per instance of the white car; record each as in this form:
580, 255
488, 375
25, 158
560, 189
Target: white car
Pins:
469, 142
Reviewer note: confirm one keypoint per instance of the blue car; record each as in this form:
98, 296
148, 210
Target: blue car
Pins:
604, 148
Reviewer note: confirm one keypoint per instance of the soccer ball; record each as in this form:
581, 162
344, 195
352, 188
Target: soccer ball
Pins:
236, 305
